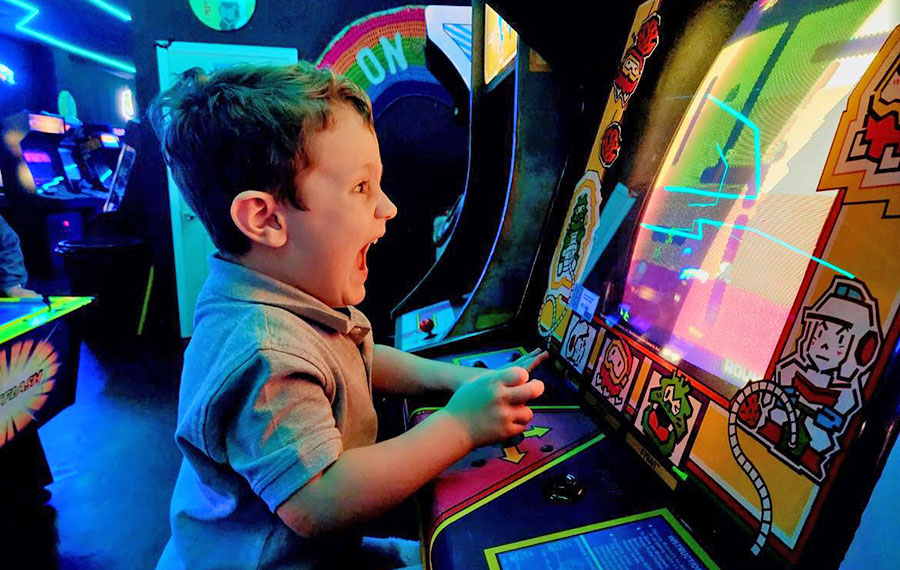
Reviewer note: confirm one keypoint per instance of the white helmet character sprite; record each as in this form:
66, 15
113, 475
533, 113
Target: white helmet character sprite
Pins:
825, 376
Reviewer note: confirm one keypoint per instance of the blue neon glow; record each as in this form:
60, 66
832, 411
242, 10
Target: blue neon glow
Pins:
698, 235
512, 164
105, 175
110, 9
32, 12
695, 273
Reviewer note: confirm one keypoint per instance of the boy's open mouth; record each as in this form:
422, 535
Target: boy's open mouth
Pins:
362, 255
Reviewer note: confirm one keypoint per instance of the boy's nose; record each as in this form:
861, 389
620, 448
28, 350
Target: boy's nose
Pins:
386, 209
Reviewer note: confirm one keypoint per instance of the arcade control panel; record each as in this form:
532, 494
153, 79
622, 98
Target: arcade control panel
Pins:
565, 494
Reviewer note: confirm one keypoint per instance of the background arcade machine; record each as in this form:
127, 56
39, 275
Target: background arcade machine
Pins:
733, 330
519, 119
58, 177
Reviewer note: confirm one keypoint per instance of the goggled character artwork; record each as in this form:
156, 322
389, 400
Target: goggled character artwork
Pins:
612, 372
575, 232
825, 376
665, 419
578, 343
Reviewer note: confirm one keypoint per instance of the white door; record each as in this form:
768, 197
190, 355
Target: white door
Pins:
190, 241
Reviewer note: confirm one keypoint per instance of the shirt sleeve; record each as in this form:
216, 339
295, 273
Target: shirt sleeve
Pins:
283, 431
12, 264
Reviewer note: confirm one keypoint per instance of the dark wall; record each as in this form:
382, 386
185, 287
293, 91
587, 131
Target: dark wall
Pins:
94, 87
308, 26
35, 87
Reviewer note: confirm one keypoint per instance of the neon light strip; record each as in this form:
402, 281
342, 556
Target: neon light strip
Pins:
703, 221
110, 9
65, 46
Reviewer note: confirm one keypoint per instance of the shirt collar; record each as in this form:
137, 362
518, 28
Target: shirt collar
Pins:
235, 281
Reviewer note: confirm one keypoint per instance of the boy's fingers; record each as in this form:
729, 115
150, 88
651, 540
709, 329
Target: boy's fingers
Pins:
513, 376
538, 358
524, 392
523, 416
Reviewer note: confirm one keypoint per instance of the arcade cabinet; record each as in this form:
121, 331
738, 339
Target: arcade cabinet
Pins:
519, 124
719, 300
38, 367
58, 177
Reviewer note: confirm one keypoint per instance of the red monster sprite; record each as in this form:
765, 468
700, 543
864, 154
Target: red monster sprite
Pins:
610, 144
632, 65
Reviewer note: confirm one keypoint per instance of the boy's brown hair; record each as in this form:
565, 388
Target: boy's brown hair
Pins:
247, 127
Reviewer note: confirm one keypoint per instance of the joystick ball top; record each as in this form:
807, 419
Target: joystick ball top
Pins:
426, 325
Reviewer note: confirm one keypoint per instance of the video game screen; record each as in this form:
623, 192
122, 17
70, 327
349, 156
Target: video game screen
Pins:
40, 163
734, 214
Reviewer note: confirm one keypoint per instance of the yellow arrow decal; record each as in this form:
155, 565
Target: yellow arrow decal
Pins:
512, 454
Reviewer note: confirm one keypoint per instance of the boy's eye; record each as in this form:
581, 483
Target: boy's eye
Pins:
362, 187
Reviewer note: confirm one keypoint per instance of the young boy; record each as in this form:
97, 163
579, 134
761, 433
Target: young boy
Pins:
276, 421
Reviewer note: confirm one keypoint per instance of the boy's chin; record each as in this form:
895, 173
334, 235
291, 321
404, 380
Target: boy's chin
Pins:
354, 297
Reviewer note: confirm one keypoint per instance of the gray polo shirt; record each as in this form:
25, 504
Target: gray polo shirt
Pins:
275, 386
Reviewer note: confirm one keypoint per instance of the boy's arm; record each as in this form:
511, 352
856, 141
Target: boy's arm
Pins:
367, 481
398, 372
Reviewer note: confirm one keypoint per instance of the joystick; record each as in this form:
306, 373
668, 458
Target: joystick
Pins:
564, 489
513, 441
426, 326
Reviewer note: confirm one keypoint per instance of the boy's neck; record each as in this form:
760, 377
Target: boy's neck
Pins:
270, 266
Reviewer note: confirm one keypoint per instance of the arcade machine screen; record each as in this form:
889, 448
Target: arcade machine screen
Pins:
43, 171
753, 297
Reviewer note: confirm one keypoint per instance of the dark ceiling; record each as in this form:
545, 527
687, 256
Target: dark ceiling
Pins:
77, 22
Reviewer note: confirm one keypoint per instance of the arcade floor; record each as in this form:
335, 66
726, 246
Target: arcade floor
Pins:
114, 463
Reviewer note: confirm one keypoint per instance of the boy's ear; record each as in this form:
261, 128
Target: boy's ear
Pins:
259, 217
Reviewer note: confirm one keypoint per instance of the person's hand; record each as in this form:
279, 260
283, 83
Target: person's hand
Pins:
531, 360
19, 291
492, 408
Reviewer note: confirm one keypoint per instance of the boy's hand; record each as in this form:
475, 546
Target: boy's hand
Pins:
492, 407
531, 360
19, 291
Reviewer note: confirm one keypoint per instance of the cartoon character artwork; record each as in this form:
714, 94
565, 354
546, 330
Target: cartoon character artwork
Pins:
746, 407
578, 342
866, 153
666, 418
575, 232
611, 144
824, 377
613, 372
878, 139
631, 67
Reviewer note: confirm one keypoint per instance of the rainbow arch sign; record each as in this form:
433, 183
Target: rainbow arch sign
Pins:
384, 53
